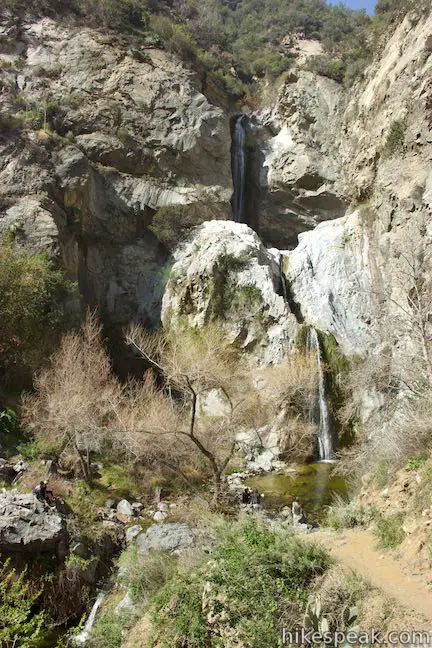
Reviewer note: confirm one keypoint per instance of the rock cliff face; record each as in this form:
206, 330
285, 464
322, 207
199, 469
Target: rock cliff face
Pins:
370, 147
128, 134
335, 279
298, 166
323, 147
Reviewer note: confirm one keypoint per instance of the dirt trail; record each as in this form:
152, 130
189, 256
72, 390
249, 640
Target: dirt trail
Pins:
356, 549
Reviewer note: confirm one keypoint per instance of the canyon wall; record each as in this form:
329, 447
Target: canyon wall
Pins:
132, 138
128, 134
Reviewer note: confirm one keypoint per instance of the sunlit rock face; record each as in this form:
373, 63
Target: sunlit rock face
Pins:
297, 165
27, 526
332, 274
224, 272
129, 134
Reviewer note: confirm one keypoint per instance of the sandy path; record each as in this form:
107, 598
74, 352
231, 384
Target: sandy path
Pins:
356, 549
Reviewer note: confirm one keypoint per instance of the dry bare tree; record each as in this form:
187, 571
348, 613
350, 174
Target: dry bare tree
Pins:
163, 419
189, 365
74, 397
412, 313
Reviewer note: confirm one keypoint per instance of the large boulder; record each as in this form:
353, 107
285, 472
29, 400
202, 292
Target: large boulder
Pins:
26, 525
224, 272
172, 537
125, 508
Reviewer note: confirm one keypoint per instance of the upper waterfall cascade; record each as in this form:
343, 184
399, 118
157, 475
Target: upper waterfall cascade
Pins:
239, 163
320, 411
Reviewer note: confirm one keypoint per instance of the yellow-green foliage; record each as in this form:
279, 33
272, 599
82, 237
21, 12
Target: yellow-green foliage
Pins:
395, 138
32, 293
173, 223
118, 14
143, 576
255, 580
116, 479
346, 515
20, 626
423, 494
389, 531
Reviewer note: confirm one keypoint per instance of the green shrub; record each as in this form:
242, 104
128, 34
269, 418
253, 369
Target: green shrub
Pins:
32, 294
249, 297
423, 493
354, 69
144, 575
174, 37
32, 449
327, 66
389, 531
178, 615
415, 463
110, 629
9, 422
32, 118
76, 562
119, 479
173, 223
84, 524
346, 515
253, 583
117, 14
20, 625
269, 62
10, 123
382, 473
395, 138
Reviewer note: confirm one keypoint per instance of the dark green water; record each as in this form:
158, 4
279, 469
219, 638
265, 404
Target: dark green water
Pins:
314, 485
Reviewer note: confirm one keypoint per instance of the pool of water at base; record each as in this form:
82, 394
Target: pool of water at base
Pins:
314, 485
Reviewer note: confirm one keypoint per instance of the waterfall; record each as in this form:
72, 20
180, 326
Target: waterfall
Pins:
82, 637
320, 412
239, 162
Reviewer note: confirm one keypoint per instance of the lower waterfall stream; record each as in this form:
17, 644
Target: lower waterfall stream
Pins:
319, 411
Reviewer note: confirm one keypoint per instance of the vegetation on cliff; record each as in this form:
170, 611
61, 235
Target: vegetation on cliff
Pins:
235, 43
33, 293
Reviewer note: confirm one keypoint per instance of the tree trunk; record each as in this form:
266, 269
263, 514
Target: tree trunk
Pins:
85, 464
216, 487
